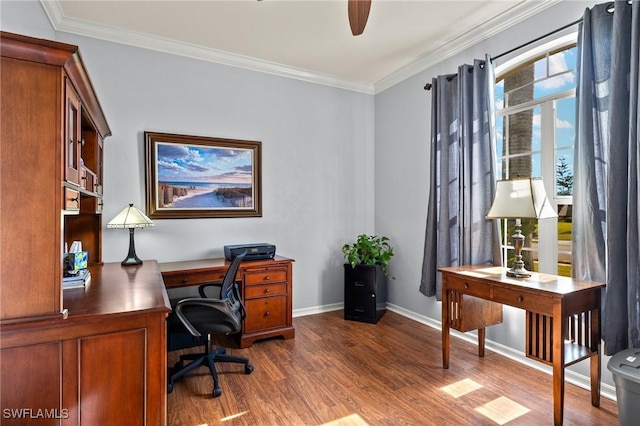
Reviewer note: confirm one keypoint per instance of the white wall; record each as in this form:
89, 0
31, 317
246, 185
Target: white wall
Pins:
317, 148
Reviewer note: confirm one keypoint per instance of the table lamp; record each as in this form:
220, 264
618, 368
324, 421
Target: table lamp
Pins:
520, 199
132, 218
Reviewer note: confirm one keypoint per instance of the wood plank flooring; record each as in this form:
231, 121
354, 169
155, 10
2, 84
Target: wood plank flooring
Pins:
337, 372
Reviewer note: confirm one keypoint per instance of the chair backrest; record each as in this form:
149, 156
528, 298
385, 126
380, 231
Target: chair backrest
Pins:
229, 282
201, 315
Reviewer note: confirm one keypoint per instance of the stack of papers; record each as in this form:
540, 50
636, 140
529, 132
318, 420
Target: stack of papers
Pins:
81, 279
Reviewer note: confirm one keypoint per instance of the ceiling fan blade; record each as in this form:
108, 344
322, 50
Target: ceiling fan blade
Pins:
358, 15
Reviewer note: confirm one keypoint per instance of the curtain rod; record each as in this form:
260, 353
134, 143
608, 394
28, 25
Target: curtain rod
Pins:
577, 21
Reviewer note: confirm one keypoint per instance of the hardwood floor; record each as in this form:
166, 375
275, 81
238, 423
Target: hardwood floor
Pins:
350, 373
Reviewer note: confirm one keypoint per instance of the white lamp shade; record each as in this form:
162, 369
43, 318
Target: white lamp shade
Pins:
521, 199
130, 217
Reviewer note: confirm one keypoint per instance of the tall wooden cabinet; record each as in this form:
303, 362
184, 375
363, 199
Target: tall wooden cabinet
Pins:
94, 355
49, 111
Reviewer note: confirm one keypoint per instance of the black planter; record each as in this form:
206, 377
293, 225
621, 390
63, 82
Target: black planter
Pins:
365, 293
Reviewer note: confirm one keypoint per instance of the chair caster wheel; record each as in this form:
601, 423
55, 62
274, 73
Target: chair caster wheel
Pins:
216, 392
248, 369
170, 388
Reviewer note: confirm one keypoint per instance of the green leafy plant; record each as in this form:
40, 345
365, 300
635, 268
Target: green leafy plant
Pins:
369, 250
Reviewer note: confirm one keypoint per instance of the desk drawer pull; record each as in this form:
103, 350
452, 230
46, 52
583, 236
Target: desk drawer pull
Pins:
267, 290
185, 280
520, 298
266, 314
466, 285
267, 277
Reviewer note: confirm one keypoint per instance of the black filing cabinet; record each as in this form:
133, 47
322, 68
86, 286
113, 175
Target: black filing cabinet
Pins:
365, 293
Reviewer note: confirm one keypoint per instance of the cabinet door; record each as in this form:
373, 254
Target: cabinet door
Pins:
31, 385
112, 372
72, 135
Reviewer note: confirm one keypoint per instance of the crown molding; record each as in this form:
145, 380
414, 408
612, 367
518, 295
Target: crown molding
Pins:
62, 23
513, 16
499, 23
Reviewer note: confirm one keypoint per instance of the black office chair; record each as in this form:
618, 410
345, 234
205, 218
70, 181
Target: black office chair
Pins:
209, 316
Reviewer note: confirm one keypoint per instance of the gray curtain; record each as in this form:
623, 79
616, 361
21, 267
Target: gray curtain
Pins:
606, 178
462, 175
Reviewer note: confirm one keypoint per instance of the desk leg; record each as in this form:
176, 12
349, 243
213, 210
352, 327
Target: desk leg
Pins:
481, 336
558, 330
445, 327
595, 358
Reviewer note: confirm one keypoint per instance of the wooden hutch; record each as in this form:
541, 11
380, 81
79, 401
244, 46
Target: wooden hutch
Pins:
94, 355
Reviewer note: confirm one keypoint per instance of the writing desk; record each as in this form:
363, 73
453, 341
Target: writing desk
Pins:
562, 318
265, 286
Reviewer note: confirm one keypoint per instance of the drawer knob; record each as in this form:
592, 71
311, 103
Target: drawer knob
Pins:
466, 285
185, 280
520, 298
267, 277
267, 290
266, 314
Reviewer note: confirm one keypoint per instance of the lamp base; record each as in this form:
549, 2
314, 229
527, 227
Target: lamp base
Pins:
132, 258
518, 270
129, 261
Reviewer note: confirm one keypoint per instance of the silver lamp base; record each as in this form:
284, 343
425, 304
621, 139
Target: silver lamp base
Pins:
518, 270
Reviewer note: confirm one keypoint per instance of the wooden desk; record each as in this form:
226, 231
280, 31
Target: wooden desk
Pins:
562, 318
110, 347
265, 287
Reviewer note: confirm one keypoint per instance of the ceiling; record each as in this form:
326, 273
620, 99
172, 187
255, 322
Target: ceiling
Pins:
304, 39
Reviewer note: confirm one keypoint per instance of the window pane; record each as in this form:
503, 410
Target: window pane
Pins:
562, 61
518, 85
530, 249
521, 144
558, 83
564, 239
540, 67
565, 122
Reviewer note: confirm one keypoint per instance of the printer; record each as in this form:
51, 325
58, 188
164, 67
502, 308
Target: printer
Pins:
255, 251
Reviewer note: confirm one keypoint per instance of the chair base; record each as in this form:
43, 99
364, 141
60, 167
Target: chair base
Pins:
209, 359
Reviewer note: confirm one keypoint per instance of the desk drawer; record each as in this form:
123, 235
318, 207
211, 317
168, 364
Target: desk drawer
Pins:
524, 300
469, 287
265, 276
191, 278
265, 313
251, 292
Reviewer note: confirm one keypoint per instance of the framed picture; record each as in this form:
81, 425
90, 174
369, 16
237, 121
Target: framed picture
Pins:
197, 177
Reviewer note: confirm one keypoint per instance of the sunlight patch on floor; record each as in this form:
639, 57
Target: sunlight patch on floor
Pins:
352, 420
233, 416
502, 410
461, 388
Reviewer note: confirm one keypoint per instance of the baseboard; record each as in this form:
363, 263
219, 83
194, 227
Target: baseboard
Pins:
317, 310
582, 381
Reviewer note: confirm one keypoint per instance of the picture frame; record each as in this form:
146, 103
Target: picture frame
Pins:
202, 177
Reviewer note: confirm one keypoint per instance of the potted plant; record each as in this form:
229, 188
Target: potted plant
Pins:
365, 277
